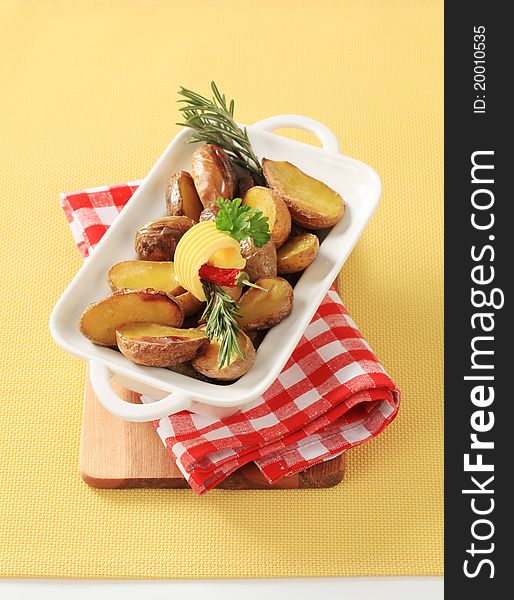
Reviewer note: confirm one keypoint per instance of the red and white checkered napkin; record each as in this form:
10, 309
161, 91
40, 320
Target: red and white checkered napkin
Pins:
332, 394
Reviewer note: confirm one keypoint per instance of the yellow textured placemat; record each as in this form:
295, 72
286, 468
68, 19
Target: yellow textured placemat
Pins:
88, 98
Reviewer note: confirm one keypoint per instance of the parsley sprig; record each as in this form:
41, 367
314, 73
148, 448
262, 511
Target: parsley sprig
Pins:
241, 222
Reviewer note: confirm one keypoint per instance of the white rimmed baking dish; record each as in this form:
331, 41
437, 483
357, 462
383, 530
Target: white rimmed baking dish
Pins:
358, 184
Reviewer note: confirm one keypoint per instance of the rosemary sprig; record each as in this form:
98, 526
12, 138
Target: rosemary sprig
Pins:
213, 122
221, 324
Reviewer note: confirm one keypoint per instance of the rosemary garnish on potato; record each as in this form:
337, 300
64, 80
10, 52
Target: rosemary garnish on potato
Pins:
213, 122
239, 222
220, 322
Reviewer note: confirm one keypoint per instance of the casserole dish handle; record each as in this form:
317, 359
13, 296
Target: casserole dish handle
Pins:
325, 135
100, 382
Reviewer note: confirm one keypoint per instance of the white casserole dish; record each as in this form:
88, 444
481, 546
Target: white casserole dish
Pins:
358, 184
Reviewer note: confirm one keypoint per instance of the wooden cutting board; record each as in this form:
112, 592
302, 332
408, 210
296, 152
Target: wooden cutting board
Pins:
119, 454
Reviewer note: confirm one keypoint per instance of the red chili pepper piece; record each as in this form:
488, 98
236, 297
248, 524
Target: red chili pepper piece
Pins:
218, 275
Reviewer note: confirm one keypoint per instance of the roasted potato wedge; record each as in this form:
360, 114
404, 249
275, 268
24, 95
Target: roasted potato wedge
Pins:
213, 174
190, 304
100, 320
158, 239
272, 206
260, 262
262, 310
312, 203
297, 253
156, 345
207, 363
182, 199
143, 274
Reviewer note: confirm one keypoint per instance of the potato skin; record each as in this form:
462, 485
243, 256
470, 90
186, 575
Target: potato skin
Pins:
305, 215
257, 337
244, 180
190, 304
311, 220
157, 240
273, 308
213, 174
160, 352
244, 183
101, 319
207, 363
234, 292
297, 253
180, 184
260, 262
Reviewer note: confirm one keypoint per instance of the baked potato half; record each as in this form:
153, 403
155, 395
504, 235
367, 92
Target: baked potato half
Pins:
154, 345
144, 274
260, 309
182, 199
297, 253
257, 337
100, 320
312, 204
158, 239
270, 203
207, 362
213, 174
260, 262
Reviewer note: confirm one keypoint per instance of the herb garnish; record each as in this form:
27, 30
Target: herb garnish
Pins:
213, 122
220, 318
241, 222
